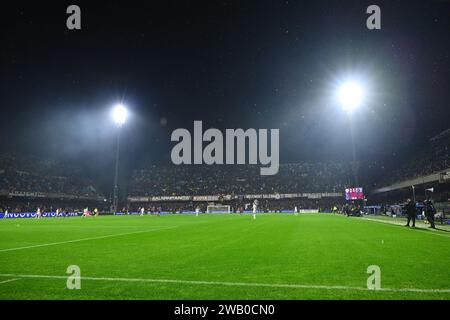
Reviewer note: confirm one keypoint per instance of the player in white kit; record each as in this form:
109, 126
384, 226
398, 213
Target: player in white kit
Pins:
85, 213
197, 211
38, 213
142, 211
255, 208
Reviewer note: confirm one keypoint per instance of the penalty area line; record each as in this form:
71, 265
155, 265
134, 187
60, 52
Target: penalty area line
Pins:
231, 284
84, 239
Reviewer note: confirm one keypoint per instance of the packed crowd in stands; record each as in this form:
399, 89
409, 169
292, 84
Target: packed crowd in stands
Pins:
20, 174
36, 175
330, 176
435, 157
242, 179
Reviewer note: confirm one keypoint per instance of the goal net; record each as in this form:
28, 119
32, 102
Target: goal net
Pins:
218, 209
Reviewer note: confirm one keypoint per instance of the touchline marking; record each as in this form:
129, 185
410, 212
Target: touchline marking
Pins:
233, 284
433, 232
9, 280
84, 239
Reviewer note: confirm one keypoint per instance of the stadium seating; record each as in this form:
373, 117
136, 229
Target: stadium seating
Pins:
36, 175
32, 175
242, 179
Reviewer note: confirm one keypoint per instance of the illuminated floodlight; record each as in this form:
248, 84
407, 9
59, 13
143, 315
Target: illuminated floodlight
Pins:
351, 96
120, 114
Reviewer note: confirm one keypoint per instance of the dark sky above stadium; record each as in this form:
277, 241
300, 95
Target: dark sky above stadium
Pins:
232, 64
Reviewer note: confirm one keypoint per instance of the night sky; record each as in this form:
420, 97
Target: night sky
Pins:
232, 64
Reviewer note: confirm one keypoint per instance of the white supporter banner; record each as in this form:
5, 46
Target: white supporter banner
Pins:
25, 194
208, 198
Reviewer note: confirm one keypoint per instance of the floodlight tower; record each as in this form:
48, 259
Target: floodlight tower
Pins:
351, 96
119, 114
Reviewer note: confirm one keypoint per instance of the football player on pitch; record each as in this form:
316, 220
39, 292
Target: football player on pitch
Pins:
38, 213
255, 208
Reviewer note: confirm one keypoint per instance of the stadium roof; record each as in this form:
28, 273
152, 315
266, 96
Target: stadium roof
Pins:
443, 134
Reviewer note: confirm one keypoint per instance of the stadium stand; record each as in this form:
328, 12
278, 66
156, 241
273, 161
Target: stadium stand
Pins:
35, 175
30, 182
301, 185
242, 179
433, 158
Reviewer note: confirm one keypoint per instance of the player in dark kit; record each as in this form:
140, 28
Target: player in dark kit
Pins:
347, 210
429, 212
410, 209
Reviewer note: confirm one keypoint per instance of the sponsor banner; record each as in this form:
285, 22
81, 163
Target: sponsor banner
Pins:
271, 211
227, 197
210, 198
253, 196
24, 194
139, 199
171, 198
284, 211
294, 195
13, 215
308, 211
160, 198
27, 194
205, 198
320, 195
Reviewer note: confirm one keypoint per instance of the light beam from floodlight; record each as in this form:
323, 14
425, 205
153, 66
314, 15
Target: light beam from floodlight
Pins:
351, 96
120, 114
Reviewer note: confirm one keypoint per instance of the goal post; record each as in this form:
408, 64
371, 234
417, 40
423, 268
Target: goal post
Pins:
218, 209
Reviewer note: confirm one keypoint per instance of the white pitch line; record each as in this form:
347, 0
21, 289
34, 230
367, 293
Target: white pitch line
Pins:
9, 280
84, 239
432, 232
234, 284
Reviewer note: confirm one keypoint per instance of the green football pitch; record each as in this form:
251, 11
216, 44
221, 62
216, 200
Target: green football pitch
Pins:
228, 256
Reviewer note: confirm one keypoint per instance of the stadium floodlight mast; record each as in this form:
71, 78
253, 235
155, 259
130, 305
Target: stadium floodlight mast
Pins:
119, 114
351, 96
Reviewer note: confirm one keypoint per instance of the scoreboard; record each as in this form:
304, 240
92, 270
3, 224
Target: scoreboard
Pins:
354, 194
